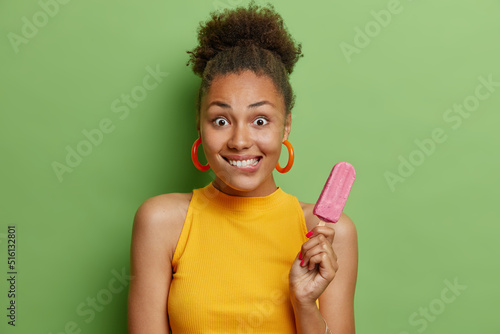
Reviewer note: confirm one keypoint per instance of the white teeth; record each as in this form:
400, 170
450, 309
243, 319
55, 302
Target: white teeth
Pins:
244, 163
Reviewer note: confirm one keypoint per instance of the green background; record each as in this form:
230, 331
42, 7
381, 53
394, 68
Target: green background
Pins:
436, 223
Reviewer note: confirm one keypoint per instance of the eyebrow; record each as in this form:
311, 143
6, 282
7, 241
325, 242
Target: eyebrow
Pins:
251, 106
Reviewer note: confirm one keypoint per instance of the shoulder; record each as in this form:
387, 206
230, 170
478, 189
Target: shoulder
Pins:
345, 230
160, 219
162, 208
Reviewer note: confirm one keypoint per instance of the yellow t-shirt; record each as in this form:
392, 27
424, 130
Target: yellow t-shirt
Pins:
231, 264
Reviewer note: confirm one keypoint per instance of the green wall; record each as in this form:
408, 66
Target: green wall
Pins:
406, 91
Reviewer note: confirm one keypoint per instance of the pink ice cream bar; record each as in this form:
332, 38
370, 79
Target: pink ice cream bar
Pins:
334, 195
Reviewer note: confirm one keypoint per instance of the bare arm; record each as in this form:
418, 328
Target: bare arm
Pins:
334, 248
154, 237
336, 303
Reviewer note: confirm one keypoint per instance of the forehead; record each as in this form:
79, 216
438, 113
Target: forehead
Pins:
245, 87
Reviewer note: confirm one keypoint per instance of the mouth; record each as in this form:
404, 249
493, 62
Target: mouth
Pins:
243, 163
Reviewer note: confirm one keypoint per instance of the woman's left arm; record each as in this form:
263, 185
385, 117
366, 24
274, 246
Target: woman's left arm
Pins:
326, 268
336, 303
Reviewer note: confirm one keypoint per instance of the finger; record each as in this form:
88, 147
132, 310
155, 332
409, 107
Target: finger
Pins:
327, 231
312, 242
322, 244
315, 246
323, 259
326, 266
315, 241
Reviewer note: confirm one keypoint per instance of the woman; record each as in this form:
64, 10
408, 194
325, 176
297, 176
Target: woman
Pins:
236, 256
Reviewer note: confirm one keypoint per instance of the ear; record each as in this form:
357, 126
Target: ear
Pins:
288, 126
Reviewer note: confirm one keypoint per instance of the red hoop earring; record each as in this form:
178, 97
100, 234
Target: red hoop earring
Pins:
291, 157
194, 156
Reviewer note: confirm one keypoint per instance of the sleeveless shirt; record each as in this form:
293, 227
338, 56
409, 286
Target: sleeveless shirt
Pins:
231, 263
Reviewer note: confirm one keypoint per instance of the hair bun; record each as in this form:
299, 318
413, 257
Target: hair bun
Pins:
259, 26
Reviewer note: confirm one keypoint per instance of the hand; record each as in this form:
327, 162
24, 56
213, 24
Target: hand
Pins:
319, 265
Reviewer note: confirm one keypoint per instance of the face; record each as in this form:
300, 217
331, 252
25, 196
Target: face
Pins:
242, 127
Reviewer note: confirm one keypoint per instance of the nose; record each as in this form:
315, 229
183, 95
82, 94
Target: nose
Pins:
240, 138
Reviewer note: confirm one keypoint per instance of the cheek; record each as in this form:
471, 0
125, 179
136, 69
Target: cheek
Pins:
209, 144
274, 135
270, 143
213, 142
207, 140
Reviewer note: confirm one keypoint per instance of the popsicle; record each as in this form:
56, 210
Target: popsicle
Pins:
331, 202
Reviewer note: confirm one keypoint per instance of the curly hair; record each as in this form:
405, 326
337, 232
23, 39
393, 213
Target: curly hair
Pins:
253, 38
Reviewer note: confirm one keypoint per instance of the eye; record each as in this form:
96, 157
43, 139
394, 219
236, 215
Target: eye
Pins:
260, 121
220, 121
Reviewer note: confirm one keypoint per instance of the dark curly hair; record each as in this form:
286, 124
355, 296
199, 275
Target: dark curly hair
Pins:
253, 38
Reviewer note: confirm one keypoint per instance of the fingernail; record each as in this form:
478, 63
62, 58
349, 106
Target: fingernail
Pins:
301, 263
300, 256
308, 235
